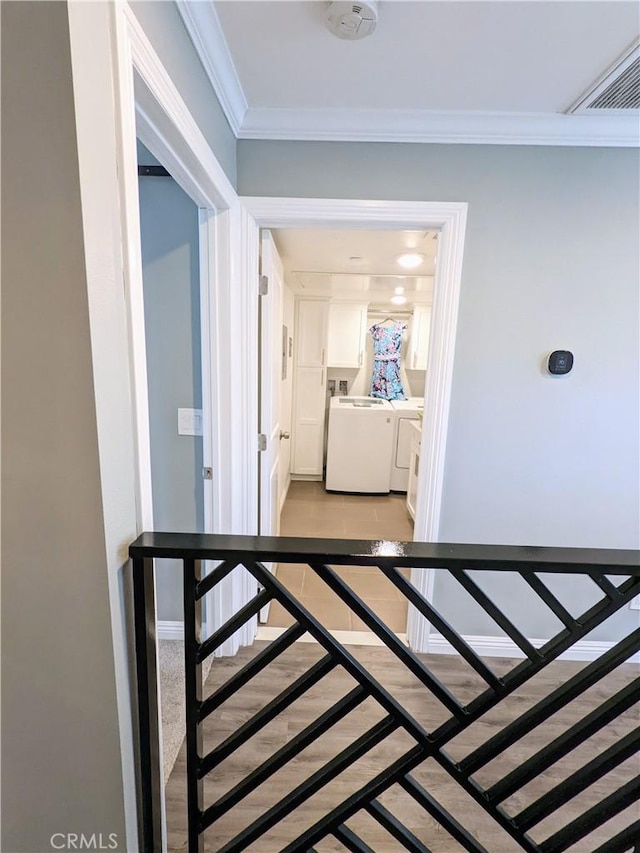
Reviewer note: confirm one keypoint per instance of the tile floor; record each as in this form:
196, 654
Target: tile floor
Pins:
310, 511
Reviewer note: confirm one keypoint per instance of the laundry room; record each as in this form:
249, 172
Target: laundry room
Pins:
356, 318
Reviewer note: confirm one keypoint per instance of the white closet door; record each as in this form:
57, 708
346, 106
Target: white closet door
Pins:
310, 387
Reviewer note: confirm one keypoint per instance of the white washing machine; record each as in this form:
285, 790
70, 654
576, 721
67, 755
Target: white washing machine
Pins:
405, 411
359, 445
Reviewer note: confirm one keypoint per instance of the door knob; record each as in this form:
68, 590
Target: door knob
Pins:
283, 435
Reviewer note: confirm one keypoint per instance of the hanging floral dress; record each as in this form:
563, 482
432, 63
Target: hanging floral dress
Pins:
385, 381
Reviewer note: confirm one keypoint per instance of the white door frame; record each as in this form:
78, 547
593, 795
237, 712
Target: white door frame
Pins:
151, 108
450, 219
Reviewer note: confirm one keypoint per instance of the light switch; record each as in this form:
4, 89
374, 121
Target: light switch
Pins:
189, 421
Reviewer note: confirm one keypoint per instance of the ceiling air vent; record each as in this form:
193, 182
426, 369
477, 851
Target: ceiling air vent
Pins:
617, 91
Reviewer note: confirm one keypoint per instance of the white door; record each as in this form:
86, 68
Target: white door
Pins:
271, 358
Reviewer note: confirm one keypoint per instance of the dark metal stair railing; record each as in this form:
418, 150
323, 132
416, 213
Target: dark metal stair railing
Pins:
230, 552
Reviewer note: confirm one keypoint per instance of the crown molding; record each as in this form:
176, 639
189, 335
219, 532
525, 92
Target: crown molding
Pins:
472, 128
385, 125
203, 26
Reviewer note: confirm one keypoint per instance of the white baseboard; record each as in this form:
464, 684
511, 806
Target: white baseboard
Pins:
503, 647
175, 631
346, 638
490, 647
170, 630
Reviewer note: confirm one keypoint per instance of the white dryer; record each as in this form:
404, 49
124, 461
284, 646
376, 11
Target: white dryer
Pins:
405, 412
359, 445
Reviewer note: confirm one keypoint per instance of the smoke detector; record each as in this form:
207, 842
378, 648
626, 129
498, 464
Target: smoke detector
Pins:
352, 21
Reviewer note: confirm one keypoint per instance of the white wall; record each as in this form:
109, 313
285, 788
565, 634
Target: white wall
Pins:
551, 261
61, 741
69, 507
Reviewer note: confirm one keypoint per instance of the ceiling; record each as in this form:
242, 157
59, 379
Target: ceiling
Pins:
499, 71
355, 264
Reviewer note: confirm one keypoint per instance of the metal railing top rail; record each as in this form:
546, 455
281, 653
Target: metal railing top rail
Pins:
202, 546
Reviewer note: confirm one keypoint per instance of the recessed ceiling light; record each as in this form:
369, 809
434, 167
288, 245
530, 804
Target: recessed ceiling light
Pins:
398, 299
410, 260
398, 290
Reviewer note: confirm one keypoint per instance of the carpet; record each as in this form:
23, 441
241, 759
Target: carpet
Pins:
171, 663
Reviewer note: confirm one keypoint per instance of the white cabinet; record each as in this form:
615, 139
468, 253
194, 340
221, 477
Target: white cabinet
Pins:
419, 341
311, 348
347, 330
310, 380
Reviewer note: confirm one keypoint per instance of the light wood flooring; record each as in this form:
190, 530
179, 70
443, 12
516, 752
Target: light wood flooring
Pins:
464, 684
309, 510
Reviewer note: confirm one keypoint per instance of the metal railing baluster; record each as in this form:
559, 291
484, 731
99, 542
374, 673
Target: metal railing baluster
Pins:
285, 754
395, 828
627, 841
350, 840
566, 742
253, 668
593, 818
248, 554
192, 574
560, 697
578, 781
148, 708
267, 714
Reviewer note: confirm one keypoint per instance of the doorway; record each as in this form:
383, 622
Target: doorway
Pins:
173, 340
170, 254
339, 287
312, 511
449, 219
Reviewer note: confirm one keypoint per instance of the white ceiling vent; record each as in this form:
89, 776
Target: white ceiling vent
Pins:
617, 91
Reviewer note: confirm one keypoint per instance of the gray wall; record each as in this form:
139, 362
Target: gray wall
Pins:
61, 759
169, 231
551, 262
164, 29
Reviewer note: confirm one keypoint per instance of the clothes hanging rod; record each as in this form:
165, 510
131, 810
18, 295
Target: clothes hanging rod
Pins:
153, 172
408, 313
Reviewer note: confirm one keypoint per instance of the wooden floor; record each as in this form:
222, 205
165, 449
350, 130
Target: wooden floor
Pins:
464, 684
309, 510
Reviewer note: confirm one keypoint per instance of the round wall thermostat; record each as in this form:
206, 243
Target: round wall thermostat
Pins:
560, 362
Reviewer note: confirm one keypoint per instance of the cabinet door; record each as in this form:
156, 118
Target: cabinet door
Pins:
346, 334
310, 382
419, 342
311, 333
309, 421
